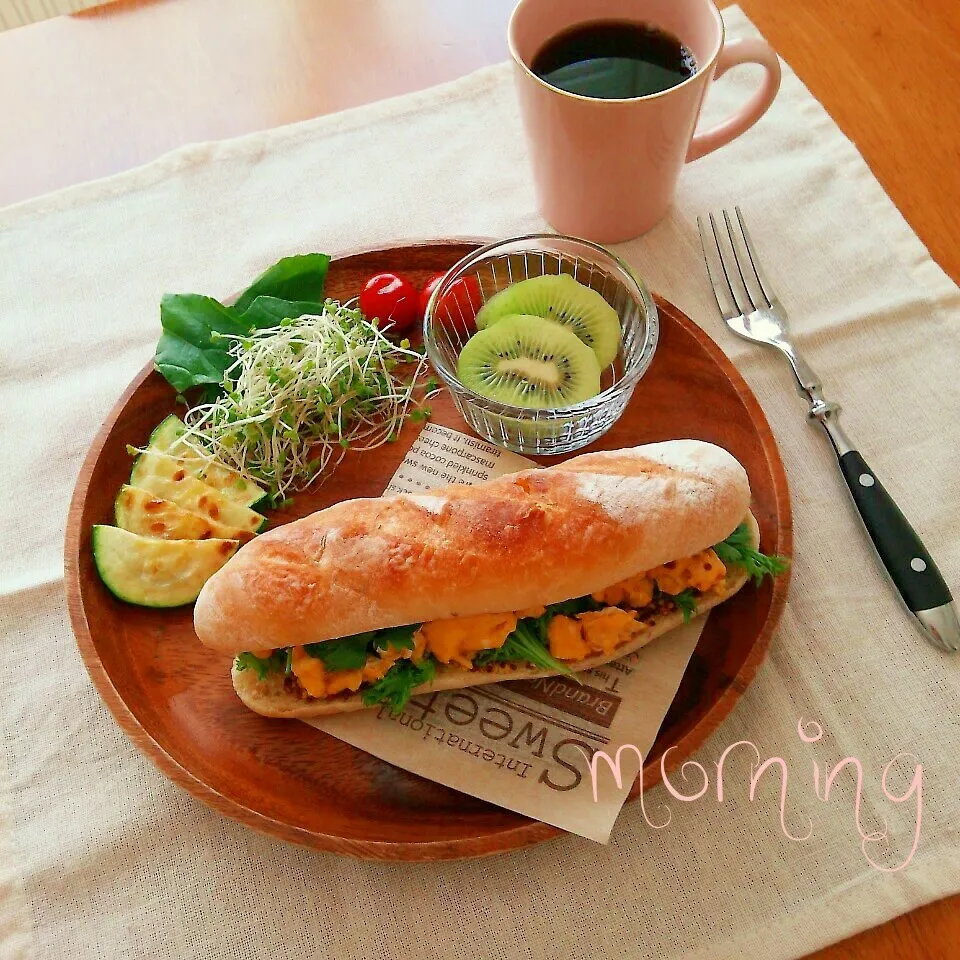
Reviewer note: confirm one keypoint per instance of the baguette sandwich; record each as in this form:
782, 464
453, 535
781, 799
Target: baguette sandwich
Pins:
533, 574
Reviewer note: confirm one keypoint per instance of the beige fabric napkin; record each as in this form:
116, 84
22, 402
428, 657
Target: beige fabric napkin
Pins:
101, 857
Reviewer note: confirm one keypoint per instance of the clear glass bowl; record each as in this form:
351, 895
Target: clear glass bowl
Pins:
493, 267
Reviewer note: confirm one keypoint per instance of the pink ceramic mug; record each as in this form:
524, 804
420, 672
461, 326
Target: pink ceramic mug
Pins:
607, 170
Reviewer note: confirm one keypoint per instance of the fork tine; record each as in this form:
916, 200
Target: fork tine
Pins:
765, 286
714, 282
736, 260
739, 309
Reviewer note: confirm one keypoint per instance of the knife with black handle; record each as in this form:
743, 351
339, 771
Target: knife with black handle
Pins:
901, 551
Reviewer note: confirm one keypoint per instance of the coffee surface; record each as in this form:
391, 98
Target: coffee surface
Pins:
614, 60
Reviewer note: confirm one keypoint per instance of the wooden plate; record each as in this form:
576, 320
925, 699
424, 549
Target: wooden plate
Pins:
174, 698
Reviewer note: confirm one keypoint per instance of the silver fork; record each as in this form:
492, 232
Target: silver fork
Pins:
751, 310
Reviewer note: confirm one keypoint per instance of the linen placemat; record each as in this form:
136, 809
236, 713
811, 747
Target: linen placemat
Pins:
100, 856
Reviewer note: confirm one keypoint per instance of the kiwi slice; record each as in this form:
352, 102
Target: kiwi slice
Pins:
565, 301
529, 362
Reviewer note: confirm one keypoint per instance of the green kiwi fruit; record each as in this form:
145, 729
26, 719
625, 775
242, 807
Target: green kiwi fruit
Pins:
529, 362
565, 301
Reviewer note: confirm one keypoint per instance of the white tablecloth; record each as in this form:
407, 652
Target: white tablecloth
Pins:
101, 857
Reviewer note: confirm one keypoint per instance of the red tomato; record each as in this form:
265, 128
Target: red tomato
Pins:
391, 299
457, 311
427, 291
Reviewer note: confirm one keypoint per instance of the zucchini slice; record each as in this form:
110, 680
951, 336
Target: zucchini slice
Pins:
148, 515
166, 439
167, 433
156, 573
168, 478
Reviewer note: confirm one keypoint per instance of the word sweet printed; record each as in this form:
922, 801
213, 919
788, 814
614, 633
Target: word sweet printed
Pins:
823, 781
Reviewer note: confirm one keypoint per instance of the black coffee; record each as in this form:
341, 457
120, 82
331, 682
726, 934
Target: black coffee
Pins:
614, 60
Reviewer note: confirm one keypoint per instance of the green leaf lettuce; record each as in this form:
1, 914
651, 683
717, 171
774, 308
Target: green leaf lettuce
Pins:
191, 353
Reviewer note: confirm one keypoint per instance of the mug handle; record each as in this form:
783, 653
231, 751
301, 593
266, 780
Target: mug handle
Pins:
732, 55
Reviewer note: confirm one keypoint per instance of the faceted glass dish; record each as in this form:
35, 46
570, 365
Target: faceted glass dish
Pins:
493, 267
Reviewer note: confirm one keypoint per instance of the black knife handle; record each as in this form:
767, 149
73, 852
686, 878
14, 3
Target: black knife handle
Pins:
901, 551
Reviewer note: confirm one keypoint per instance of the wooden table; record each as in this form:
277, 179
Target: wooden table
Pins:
91, 95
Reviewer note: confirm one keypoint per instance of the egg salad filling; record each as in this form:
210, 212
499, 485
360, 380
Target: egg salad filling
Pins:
390, 663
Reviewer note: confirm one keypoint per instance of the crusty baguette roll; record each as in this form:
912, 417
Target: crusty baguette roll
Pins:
529, 538
270, 697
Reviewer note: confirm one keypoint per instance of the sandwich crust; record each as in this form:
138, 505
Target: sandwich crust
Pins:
522, 540
270, 698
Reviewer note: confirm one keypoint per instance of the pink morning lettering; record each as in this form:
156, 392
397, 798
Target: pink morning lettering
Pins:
810, 732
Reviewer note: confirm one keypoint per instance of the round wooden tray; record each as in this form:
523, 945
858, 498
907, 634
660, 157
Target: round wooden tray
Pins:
174, 698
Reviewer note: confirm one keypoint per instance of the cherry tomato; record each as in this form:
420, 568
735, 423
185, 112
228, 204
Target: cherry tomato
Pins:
427, 292
457, 311
391, 299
